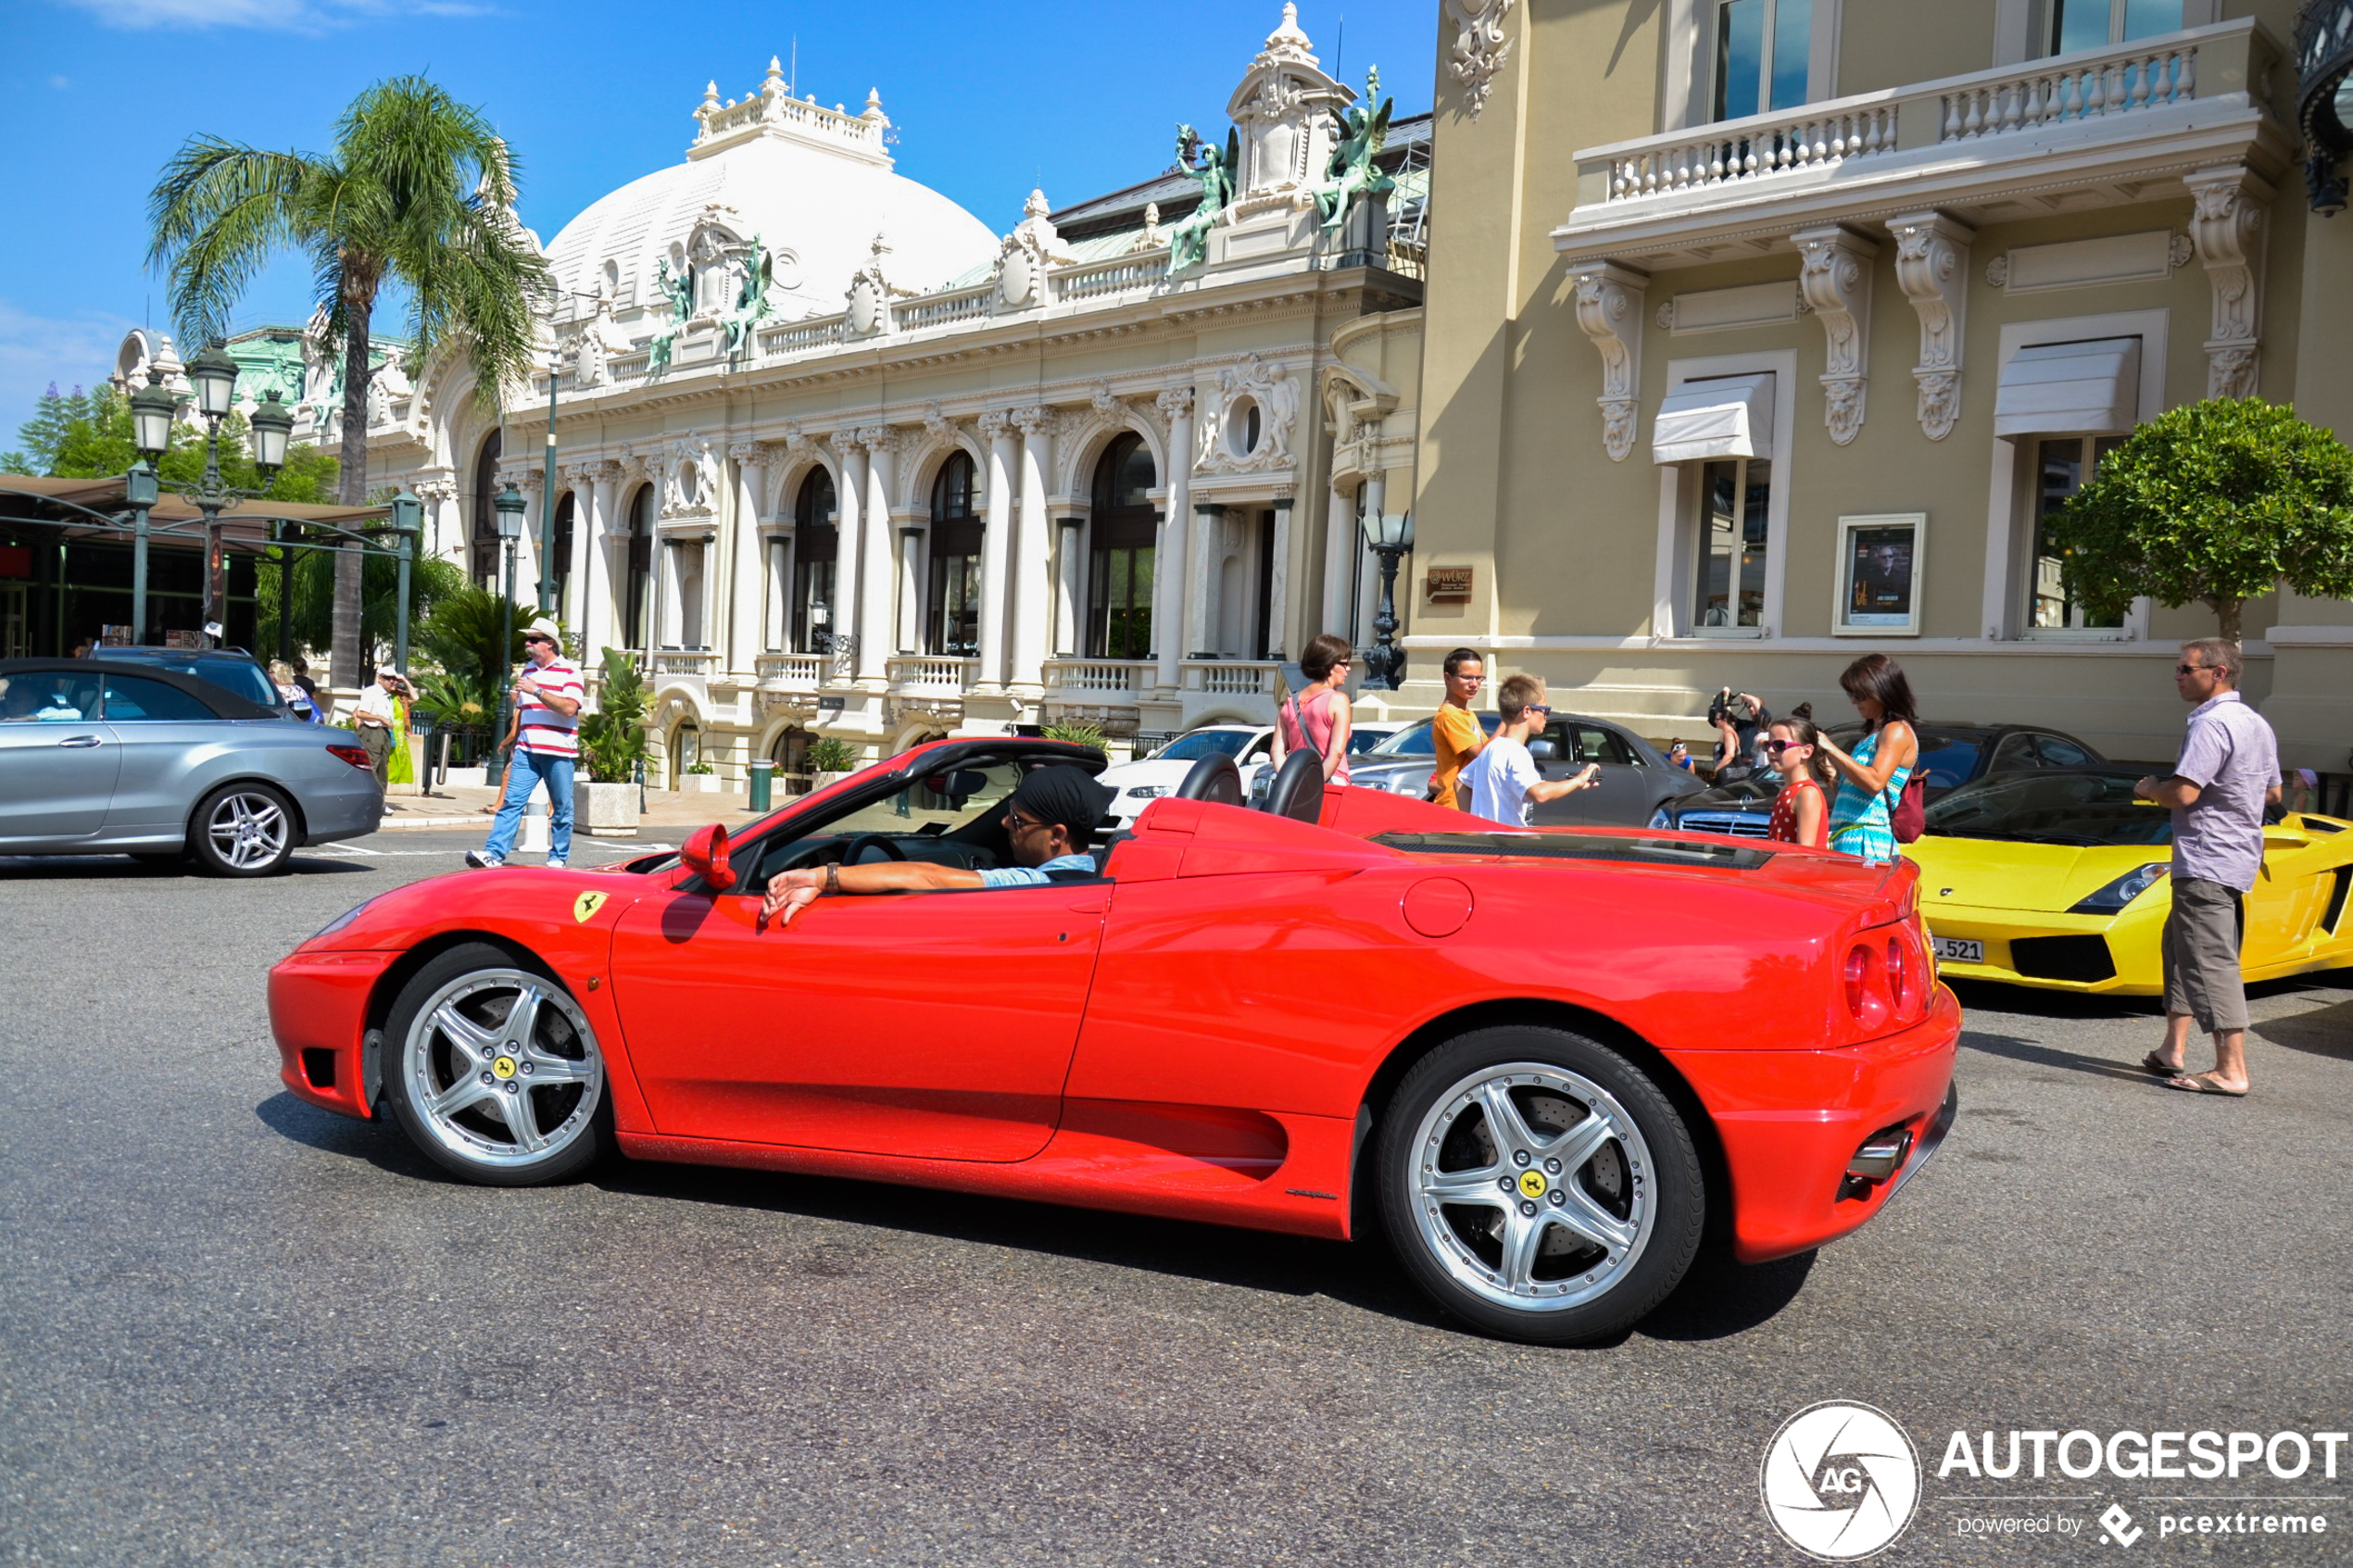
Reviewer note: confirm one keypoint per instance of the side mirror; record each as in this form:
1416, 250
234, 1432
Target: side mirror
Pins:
705, 854
1543, 750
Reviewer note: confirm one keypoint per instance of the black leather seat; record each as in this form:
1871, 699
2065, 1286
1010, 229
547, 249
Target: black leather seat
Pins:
1298, 789
1214, 778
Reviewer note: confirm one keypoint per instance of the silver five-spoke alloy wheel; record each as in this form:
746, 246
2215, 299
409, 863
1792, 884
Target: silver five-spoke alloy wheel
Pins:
501, 1070
1532, 1187
247, 830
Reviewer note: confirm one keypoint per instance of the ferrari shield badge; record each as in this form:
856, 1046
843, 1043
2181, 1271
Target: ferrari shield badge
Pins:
588, 904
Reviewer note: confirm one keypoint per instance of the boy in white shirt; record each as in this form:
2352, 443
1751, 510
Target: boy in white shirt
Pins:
1503, 779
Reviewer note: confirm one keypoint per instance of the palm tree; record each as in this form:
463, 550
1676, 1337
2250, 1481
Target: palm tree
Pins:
418, 193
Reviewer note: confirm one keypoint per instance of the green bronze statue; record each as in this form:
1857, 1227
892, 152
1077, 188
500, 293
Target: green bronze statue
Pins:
1363, 132
1188, 237
680, 292
752, 299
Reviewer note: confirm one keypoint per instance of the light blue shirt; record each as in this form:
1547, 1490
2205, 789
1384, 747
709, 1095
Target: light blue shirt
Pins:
2232, 758
1038, 877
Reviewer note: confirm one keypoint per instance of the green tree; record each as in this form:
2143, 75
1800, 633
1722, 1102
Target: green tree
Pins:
2219, 501
92, 440
311, 621
613, 739
52, 415
418, 193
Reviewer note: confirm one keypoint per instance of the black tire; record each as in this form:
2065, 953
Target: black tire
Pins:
555, 1082
1533, 1266
242, 830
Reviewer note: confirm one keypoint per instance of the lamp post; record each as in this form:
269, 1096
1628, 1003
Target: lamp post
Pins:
547, 496
213, 376
508, 504
1390, 537
407, 522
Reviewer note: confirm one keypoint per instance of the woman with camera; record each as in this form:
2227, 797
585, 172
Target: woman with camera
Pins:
1872, 776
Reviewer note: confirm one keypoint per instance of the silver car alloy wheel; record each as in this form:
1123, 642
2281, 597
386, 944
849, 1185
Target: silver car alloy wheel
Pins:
1532, 1187
247, 830
502, 1067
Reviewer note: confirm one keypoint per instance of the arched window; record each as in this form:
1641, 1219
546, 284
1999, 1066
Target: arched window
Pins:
483, 530
1119, 580
638, 589
563, 546
816, 545
956, 505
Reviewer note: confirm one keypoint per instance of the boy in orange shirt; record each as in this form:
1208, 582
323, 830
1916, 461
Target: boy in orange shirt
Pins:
1455, 732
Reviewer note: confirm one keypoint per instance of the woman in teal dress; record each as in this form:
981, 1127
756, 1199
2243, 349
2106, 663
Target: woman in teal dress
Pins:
1872, 776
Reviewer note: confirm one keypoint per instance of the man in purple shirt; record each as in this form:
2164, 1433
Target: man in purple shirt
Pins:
2229, 771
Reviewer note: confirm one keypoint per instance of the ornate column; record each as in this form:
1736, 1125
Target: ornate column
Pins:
1033, 593
910, 584
1609, 311
1070, 583
879, 565
996, 542
849, 503
596, 530
747, 557
1341, 549
1209, 519
1931, 263
1836, 281
2227, 228
1172, 583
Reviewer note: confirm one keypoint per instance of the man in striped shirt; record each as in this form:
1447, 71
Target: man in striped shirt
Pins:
548, 696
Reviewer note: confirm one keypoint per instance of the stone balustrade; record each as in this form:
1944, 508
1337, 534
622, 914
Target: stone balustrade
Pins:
929, 675
1099, 680
789, 671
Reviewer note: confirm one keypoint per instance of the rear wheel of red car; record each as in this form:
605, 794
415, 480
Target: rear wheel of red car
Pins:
492, 1070
1539, 1186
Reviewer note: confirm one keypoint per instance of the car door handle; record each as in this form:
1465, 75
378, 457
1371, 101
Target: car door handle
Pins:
80, 740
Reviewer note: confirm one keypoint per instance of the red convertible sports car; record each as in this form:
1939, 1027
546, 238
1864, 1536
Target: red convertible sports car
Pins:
1546, 1064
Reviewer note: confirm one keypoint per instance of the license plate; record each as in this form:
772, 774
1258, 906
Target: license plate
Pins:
1959, 949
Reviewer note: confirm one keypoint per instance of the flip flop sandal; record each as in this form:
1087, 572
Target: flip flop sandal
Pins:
2151, 1064
2200, 1083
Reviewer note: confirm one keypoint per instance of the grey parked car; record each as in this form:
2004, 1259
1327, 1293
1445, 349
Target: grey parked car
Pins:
100, 758
1635, 780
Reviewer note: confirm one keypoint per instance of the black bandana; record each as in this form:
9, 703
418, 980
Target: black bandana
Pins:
1063, 795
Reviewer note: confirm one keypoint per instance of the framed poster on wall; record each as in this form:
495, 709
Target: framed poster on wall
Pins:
1880, 562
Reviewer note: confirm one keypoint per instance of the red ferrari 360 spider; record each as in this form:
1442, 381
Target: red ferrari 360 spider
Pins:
1546, 1064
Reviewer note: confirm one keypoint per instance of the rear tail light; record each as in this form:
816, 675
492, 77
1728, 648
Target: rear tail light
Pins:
355, 754
1899, 979
1867, 993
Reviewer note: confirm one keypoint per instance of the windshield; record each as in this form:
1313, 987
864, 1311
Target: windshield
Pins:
933, 806
1363, 741
2080, 808
1413, 739
1949, 759
1203, 743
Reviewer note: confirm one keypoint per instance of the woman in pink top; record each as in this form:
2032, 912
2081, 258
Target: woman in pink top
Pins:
1317, 719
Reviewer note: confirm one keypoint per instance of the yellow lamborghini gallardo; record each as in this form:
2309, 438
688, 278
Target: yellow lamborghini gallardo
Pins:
2059, 879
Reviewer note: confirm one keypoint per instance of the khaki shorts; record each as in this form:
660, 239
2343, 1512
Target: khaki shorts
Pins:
2202, 956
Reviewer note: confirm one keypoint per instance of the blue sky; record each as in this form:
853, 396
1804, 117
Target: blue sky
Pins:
989, 100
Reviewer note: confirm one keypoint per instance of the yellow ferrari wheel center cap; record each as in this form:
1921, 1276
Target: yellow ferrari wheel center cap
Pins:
505, 1068
1531, 1184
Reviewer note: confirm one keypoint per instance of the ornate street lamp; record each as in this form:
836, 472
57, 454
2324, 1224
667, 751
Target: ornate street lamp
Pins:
407, 522
1390, 537
213, 376
508, 504
272, 427
153, 407
2325, 98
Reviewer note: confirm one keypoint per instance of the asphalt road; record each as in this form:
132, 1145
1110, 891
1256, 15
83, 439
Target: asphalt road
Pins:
234, 1329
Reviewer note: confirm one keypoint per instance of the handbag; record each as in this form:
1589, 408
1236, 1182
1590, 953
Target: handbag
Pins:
1908, 820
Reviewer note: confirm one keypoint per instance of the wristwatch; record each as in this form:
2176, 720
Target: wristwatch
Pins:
833, 876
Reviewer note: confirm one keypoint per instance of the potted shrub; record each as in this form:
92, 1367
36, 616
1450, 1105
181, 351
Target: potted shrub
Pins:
831, 759
701, 780
612, 748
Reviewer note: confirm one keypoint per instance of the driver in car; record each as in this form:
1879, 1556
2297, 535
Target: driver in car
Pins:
1050, 822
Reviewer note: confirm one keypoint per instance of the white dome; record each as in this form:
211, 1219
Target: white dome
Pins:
812, 183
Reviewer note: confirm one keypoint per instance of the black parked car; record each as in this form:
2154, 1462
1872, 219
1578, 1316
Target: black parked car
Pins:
1634, 777
1951, 755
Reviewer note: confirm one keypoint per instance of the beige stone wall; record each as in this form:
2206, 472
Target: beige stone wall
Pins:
1565, 543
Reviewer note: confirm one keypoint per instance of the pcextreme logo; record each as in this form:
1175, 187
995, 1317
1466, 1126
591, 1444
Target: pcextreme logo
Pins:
1839, 1481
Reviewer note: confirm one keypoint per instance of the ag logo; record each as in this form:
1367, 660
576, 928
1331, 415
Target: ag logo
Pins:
1839, 1481
588, 904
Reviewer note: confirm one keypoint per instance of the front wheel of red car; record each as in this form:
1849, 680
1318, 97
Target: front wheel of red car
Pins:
493, 1071
1539, 1186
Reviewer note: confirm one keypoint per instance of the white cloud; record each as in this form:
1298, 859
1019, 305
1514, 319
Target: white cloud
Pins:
72, 351
282, 16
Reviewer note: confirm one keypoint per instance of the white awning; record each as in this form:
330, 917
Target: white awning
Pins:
2091, 388
1722, 417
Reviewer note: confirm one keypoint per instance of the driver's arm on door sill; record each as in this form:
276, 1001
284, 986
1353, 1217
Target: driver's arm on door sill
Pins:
790, 892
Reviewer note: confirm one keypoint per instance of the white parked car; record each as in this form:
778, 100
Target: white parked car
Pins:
1139, 784
1252, 747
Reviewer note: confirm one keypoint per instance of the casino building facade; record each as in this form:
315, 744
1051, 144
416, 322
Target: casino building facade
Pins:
834, 458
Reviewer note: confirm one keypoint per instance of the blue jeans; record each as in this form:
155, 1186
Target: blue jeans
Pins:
530, 769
